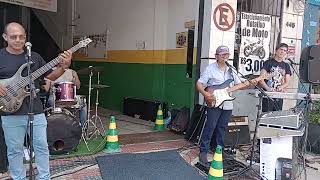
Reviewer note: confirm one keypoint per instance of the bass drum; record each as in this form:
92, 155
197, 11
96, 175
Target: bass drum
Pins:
64, 132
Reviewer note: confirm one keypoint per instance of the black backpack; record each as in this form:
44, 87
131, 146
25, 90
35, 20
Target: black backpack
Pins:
179, 123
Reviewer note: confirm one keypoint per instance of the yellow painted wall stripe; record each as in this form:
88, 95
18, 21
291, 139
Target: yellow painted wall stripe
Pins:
217, 157
159, 122
216, 172
112, 126
170, 56
112, 138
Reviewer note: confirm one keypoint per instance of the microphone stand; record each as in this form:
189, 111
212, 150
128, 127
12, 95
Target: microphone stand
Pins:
261, 95
306, 117
33, 95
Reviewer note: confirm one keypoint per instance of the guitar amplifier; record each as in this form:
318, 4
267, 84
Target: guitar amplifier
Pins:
143, 108
286, 119
237, 132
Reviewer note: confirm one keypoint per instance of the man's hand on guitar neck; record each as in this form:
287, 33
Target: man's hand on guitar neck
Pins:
65, 57
3, 91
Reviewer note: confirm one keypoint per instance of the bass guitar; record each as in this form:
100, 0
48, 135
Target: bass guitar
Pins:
17, 85
220, 93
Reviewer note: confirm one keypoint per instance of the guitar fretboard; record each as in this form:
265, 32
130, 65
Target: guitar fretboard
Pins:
45, 68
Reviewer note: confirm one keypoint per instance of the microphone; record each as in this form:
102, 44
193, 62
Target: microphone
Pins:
291, 61
28, 45
229, 65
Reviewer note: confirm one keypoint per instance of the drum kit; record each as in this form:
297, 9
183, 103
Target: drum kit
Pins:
65, 112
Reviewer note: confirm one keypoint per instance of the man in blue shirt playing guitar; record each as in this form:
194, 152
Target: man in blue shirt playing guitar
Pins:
215, 84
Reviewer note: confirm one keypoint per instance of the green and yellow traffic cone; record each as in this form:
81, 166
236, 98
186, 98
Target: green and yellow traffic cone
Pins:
159, 124
216, 168
112, 145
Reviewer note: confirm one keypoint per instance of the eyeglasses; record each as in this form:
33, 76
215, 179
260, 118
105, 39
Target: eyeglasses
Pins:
15, 37
224, 55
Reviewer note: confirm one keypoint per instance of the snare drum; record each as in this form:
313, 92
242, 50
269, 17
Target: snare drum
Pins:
65, 93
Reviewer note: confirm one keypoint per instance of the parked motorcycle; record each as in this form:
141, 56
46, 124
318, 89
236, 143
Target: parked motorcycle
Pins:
255, 49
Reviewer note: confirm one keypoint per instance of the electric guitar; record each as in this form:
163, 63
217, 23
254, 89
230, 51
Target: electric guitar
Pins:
17, 85
220, 93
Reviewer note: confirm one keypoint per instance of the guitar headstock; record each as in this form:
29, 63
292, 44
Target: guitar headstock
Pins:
81, 44
84, 43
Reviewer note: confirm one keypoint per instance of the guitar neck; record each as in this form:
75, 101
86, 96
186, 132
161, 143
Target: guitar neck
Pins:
245, 84
45, 68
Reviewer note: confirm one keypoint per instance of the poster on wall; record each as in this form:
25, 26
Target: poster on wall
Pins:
255, 42
96, 49
48, 5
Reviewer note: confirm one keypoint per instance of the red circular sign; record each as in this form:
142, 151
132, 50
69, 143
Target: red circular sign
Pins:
222, 20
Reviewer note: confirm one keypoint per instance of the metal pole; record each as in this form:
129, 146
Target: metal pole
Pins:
199, 46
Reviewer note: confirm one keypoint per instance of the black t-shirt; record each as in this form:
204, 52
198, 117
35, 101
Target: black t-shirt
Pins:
9, 64
278, 72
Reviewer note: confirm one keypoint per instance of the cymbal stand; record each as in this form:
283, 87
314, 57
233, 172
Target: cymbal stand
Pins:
53, 91
95, 116
85, 127
86, 131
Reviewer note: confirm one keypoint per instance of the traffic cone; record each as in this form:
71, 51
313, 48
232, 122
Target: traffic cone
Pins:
159, 124
216, 168
112, 145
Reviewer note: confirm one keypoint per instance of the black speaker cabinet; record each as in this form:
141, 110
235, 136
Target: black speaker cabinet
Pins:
310, 64
143, 108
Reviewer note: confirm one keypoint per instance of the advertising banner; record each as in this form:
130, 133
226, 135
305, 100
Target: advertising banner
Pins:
255, 42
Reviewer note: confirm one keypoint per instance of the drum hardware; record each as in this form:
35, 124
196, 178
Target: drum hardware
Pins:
43, 97
80, 101
95, 116
90, 70
99, 86
90, 128
52, 93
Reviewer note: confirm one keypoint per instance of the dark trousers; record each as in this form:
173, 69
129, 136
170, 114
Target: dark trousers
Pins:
3, 151
217, 122
268, 105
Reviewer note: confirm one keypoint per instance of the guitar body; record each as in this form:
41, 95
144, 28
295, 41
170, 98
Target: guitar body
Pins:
219, 93
15, 93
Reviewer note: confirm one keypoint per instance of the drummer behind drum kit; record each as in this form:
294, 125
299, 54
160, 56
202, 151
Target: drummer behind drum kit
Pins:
66, 104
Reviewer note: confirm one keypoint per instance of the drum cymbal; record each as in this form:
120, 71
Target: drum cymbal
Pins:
99, 86
87, 71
